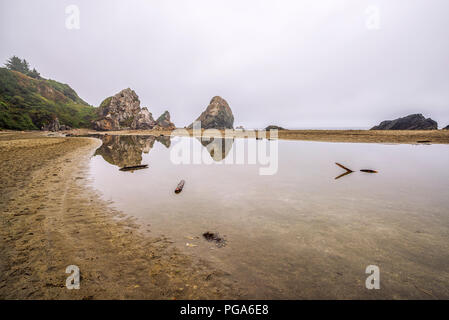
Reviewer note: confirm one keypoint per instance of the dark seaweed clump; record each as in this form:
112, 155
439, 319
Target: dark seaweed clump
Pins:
215, 237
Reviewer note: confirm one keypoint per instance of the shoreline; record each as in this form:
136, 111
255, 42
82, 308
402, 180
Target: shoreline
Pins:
344, 136
52, 218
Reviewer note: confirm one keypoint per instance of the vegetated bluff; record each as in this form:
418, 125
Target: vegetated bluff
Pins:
28, 103
410, 122
122, 111
218, 115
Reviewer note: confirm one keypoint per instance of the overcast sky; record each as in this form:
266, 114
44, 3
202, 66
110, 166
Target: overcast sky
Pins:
298, 64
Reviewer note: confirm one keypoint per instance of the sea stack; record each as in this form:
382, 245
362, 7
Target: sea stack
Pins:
164, 123
218, 115
410, 122
122, 111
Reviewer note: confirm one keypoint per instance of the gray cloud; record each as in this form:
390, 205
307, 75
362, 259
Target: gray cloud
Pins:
310, 63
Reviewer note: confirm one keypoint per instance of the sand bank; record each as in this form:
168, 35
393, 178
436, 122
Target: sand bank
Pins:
50, 218
351, 136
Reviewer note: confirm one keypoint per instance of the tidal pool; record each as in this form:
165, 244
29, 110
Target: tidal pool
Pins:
299, 233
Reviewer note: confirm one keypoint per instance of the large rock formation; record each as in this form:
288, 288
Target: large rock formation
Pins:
218, 115
143, 120
411, 122
164, 123
123, 111
106, 123
446, 128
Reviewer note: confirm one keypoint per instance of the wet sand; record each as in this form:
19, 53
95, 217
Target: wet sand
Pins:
355, 136
51, 218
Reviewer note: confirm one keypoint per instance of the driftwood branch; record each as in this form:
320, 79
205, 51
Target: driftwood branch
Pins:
343, 167
342, 175
368, 171
132, 168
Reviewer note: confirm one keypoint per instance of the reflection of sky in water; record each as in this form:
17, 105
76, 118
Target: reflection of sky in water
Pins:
301, 233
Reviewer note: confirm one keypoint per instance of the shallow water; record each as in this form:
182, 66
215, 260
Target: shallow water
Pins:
299, 233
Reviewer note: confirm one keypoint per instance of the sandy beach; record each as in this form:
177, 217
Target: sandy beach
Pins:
50, 219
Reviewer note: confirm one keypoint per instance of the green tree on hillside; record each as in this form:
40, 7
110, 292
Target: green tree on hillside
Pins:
22, 66
26, 66
34, 74
16, 64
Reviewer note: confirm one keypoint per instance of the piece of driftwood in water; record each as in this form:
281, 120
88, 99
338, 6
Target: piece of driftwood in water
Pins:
343, 174
132, 168
180, 186
343, 167
215, 237
348, 171
423, 141
368, 171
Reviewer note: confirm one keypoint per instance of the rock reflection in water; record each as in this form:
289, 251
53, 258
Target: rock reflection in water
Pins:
165, 140
215, 145
125, 151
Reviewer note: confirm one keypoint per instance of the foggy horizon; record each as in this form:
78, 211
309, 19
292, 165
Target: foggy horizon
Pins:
299, 64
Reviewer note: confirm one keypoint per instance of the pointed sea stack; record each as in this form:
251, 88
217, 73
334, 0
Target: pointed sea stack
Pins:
218, 115
164, 123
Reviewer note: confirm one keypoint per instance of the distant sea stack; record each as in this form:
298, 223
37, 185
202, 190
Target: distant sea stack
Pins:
411, 122
123, 111
164, 123
218, 115
273, 128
